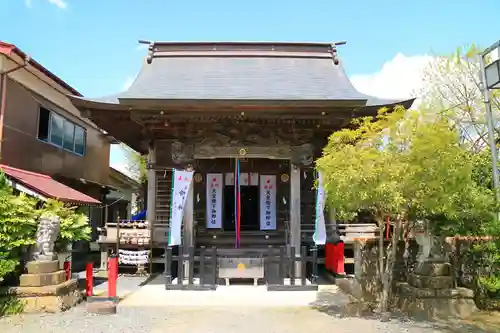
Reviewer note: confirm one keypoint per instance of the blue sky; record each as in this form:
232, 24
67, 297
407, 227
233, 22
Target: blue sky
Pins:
92, 44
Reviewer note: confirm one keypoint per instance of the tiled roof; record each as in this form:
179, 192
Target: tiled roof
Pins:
240, 71
242, 78
46, 186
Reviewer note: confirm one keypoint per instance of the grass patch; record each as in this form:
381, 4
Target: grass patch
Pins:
10, 305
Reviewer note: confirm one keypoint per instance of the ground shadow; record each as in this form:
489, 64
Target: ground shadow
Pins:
338, 304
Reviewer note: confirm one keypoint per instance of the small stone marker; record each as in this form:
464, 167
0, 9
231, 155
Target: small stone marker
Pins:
101, 305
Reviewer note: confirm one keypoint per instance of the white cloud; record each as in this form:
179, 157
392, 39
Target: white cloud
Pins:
401, 77
59, 3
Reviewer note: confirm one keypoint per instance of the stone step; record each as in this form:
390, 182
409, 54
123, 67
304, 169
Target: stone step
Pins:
37, 267
51, 298
427, 268
42, 279
435, 303
431, 282
51, 290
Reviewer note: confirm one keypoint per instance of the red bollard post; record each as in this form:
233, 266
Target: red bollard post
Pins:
90, 279
112, 276
328, 257
67, 269
339, 259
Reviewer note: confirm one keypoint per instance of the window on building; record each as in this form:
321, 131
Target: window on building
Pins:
61, 132
43, 124
79, 140
56, 129
69, 136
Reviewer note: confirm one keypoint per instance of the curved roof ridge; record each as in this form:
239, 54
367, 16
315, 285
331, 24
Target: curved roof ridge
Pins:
241, 42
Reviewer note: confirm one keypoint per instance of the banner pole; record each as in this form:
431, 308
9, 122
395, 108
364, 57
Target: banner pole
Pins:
239, 207
236, 202
171, 208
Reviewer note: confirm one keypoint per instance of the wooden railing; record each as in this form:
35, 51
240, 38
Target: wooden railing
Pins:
348, 231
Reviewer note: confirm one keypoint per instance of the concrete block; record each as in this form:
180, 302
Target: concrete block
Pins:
433, 269
38, 267
42, 279
431, 282
41, 291
52, 299
101, 305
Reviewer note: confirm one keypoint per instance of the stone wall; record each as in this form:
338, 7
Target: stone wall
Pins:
365, 267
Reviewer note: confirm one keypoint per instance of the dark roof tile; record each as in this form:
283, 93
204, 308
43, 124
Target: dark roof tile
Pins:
245, 78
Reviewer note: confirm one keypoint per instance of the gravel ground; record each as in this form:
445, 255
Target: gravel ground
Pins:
236, 309
211, 319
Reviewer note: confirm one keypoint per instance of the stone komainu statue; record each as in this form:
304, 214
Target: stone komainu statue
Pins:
46, 236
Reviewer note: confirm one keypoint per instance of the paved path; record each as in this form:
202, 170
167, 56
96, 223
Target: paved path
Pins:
125, 285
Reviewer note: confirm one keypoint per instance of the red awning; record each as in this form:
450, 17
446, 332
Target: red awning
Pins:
46, 186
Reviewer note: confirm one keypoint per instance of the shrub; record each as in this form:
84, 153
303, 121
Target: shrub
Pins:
74, 225
18, 221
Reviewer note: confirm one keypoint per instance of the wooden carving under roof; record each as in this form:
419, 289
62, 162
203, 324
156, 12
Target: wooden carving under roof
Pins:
241, 139
235, 133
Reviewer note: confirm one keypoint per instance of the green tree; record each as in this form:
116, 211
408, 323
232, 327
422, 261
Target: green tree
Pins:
136, 163
405, 165
74, 226
451, 84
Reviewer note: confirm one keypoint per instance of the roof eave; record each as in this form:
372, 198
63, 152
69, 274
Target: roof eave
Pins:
127, 104
373, 109
296, 103
85, 103
120, 176
44, 194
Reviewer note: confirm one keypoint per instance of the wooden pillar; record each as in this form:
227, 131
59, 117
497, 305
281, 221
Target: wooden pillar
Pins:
295, 232
151, 205
188, 231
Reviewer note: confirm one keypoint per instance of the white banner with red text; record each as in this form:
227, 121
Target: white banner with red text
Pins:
182, 185
268, 202
214, 201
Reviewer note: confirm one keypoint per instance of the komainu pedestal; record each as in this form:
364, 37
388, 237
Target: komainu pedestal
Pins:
429, 292
45, 289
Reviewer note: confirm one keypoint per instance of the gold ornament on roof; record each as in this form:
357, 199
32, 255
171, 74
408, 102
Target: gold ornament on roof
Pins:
243, 152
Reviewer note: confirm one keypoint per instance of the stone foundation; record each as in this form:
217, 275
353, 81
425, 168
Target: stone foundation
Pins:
45, 289
42, 279
420, 288
430, 293
432, 303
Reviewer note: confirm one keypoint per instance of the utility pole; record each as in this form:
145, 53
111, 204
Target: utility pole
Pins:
491, 128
